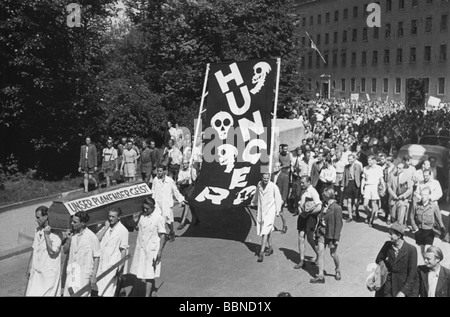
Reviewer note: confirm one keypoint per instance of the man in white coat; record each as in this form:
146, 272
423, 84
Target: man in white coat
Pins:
164, 188
146, 264
84, 255
45, 262
268, 199
113, 239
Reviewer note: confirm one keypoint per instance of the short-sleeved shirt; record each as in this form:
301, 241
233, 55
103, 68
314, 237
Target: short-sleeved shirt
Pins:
309, 196
372, 175
109, 154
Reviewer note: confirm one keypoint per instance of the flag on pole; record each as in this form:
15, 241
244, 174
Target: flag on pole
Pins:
314, 47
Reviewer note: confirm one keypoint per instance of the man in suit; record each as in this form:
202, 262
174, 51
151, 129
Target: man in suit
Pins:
432, 279
88, 163
352, 183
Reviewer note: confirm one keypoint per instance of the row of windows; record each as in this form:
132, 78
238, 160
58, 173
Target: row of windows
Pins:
345, 13
362, 88
387, 31
399, 55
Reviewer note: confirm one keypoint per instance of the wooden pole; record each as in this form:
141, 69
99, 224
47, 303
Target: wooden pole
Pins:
272, 139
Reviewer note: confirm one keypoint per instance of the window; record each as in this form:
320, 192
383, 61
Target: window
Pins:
363, 85
385, 85
375, 58
327, 38
353, 58
318, 39
355, 12
304, 22
336, 16
388, 30
412, 55
309, 84
353, 84
427, 54
363, 58
428, 24
325, 56
443, 52
311, 20
400, 29
427, 86
401, 4
343, 58
344, 36
444, 22
354, 35
413, 27
441, 86
327, 17
317, 60
302, 62
310, 60
345, 14
343, 84
374, 85
414, 3
399, 57
335, 37
319, 19
365, 34
386, 56
335, 57
398, 85
375, 33
388, 5
303, 41
334, 84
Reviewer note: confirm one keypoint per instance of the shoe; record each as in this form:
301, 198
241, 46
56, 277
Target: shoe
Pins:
261, 257
284, 230
172, 236
370, 225
318, 280
269, 251
388, 222
357, 217
337, 277
299, 265
349, 220
366, 221
181, 226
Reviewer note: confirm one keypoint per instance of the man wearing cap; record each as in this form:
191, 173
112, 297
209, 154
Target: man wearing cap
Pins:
400, 259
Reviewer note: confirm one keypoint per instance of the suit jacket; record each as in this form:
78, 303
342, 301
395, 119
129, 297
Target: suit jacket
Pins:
402, 270
443, 284
92, 156
315, 173
358, 172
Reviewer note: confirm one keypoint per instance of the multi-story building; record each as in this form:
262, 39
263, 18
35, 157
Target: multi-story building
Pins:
405, 58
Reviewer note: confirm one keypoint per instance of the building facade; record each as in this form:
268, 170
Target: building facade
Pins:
405, 58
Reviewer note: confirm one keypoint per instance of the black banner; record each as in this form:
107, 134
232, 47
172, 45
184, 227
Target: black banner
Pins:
415, 93
237, 133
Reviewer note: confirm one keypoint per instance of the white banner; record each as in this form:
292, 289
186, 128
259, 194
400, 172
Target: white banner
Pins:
434, 102
354, 97
88, 203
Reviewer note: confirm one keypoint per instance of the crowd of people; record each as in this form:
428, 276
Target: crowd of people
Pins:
347, 158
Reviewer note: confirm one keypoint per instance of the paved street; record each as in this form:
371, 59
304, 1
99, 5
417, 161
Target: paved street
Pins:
216, 258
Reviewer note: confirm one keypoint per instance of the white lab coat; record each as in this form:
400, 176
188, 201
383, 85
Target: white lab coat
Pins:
269, 205
163, 192
83, 249
114, 240
45, 270
147, 246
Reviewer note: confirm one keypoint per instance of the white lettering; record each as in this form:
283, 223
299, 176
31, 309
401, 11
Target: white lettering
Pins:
215, 194
257, 126
238, 178
233, 105
253, 158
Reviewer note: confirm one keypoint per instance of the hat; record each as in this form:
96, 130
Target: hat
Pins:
397, 226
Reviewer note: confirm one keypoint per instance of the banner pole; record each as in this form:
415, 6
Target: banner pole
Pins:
272, 141
199, 114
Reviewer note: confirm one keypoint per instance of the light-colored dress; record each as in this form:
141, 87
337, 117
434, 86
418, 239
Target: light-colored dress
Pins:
83, 249
269, 205
45, 268
130, 160
147, 246
114, 240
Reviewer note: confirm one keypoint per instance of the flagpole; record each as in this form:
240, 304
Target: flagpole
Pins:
272, 138
199, 119
314, 47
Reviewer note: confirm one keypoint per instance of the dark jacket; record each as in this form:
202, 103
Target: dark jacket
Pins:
401, 270
333, 221
315, 173
443, 284
92, 156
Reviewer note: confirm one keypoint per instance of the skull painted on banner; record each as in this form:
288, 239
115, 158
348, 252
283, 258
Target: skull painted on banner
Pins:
227, 154
222, 122
260, 70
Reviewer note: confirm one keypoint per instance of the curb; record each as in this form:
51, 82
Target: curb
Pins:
38, 200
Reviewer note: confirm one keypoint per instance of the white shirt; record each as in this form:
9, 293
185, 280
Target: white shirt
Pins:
432, 282
109, 154
189, 174
328, 175
372, 175
164, 190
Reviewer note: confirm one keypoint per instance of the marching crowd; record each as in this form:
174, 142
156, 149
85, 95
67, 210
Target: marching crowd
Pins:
347, 158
